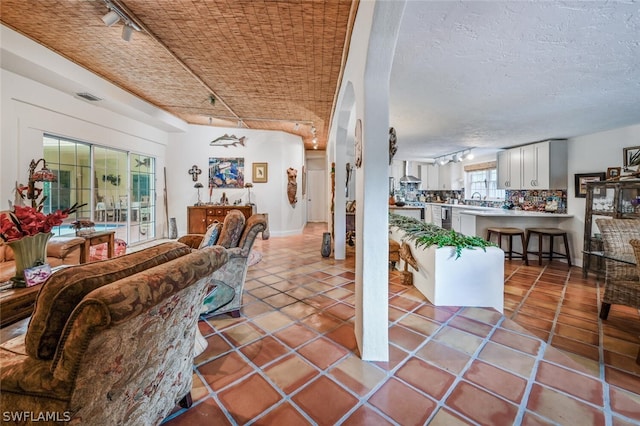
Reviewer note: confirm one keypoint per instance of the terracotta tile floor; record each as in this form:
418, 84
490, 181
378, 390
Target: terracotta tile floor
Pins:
291, 358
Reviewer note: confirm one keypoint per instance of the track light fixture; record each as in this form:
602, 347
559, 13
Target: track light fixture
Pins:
127, 32
454, 157
110, 18
114, 15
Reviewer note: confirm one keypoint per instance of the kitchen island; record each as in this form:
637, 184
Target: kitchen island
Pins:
476, 222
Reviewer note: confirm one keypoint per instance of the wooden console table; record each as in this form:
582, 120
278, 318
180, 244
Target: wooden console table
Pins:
200, 217
96, 238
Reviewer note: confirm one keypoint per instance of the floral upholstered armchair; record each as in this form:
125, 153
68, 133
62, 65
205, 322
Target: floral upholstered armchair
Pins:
110, 342
237, 236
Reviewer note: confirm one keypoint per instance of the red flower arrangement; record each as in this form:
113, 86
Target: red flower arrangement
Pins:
25, 221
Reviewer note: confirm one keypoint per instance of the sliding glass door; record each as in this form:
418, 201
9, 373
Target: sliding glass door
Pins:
142, 195
118, 187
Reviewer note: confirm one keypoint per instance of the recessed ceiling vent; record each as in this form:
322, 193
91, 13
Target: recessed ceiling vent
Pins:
89, 97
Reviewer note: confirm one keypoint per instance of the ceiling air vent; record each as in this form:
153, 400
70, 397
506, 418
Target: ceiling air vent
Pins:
89, 96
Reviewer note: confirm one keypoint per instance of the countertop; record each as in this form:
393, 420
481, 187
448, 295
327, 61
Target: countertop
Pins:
511, 213
406, 207
499, 212
487, 211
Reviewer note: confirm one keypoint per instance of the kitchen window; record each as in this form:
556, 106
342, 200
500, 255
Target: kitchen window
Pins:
483, 183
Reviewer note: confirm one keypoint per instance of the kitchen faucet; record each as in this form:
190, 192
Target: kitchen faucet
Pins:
474, 194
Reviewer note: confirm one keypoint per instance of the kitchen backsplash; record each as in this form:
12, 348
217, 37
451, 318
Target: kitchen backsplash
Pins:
549, 200
484, 203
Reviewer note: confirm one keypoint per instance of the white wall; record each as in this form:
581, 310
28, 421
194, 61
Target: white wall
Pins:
588, 154
30, 109
278, 149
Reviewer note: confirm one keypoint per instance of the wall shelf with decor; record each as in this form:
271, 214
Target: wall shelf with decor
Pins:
613, 199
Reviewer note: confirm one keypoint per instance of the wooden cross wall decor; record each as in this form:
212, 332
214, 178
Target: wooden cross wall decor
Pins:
194, 172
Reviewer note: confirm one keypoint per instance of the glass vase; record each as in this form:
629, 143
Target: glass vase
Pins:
28, 252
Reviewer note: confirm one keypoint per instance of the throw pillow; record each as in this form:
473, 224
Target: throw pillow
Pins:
211, 236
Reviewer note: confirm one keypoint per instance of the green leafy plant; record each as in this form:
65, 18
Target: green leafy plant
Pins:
427, 234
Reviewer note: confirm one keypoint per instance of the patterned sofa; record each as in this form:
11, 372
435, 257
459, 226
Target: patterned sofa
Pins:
238, 237
111, 342
60, 251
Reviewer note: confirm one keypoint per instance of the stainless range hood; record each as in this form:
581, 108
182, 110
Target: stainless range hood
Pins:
407, 178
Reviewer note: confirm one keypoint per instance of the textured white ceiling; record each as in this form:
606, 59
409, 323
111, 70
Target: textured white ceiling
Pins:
498, 74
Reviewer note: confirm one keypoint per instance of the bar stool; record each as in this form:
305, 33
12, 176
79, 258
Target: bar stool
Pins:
551, 233
509, 232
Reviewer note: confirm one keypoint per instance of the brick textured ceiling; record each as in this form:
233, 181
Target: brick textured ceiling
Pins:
269, 63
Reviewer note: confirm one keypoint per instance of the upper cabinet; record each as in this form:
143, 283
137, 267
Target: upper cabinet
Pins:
450, 177
541, 165
509, 169
430, 177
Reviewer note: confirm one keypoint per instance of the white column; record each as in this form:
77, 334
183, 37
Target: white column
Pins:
372, 237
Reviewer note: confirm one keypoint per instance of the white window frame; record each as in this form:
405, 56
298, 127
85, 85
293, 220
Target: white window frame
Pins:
486, 185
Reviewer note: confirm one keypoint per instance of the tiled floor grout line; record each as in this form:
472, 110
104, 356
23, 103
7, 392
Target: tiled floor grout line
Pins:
608, 416
559, 305
260, 369
363, 401
516, 310
440, 402
460, 376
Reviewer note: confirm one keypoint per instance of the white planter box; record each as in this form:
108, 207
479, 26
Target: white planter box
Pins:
476, 278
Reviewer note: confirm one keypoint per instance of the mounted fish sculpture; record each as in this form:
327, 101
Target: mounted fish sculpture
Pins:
228, 140
292, 185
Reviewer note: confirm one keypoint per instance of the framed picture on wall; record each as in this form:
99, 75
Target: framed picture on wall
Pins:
260, 172
582, 179
226, 172
631, 156
613, 172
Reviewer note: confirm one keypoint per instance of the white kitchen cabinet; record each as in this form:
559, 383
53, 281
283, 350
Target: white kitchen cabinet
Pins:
450, 177
429, 175
455, 219
428, 213
544, 165
437, 216
509, 169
